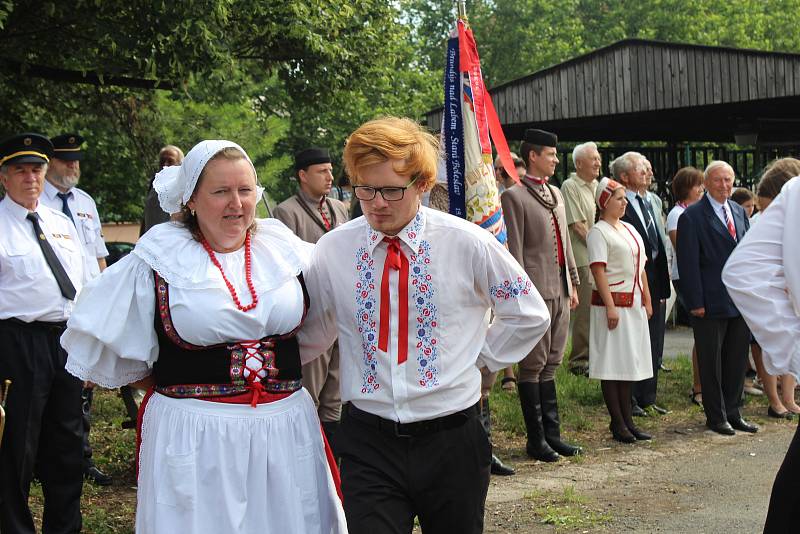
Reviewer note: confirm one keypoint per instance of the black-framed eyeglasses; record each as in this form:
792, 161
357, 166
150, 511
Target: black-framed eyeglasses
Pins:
390, 194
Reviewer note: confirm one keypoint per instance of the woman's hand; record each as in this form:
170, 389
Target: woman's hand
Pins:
648, 309
612, 316
145, 383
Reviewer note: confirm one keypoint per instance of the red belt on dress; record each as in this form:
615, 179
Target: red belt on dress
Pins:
623, 300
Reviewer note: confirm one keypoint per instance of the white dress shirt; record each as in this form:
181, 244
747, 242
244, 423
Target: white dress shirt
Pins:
29, 288
84, 213
457, 272
763, 279
110, 337
718, 207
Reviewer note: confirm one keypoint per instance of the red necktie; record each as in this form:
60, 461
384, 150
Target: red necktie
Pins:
729, 223
325, 220
396, 260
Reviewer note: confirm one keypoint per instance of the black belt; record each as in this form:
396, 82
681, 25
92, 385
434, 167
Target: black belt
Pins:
39, 325
413, 430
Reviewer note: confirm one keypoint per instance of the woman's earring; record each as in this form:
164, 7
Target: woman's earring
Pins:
192, 212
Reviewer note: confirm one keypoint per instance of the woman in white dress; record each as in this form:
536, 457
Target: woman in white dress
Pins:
619, 339
203, 314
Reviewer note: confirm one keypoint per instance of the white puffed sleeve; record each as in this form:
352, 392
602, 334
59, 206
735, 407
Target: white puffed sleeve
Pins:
110, 336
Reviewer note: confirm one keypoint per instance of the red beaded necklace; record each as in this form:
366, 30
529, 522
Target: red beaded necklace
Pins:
247, 272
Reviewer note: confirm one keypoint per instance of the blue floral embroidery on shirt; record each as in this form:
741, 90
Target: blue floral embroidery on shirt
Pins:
427, 313
413, 228
365, 319
511, 289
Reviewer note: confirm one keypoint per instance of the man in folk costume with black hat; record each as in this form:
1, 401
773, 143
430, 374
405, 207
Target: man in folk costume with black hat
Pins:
538, 238
61, 194
310, 214
42, 268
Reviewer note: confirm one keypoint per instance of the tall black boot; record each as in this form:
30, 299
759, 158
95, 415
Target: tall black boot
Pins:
551, 421
536, 447
497, 467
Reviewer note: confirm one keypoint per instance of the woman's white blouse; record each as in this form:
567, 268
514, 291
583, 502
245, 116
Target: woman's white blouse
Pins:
110, 336
621, 251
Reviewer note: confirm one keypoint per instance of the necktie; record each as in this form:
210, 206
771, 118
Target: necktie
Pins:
65, 205
728, 223
325, 220
395, 260
64, 283
647, 215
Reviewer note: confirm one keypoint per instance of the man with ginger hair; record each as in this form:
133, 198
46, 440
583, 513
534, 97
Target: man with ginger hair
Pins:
410, 315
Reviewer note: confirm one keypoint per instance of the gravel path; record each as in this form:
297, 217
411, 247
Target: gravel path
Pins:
690, 480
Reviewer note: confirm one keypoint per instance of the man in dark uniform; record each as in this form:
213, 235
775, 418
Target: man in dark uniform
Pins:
42, 267
310, 214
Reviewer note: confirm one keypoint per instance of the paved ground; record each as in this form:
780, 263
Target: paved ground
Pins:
678, 341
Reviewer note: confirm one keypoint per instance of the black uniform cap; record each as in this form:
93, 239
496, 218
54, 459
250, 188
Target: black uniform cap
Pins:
541, 137
67, 147
311, 156
26, 148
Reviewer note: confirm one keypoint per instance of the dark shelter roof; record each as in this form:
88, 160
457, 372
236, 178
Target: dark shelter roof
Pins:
639, 90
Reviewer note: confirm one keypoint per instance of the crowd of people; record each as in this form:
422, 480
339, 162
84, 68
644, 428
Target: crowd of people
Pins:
319, 372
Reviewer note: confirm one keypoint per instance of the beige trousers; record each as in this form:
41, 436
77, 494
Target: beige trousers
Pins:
579, 357
321, 379
541, 364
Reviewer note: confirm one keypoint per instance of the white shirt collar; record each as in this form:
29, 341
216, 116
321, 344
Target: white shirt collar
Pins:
17, 210
52, 191
716, 205
411, 234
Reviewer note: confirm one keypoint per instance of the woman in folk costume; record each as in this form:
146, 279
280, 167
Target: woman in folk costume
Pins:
619, 339
204, 312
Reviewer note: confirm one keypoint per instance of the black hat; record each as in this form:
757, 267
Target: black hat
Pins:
67, 147
311, 156
26, 148
541, 138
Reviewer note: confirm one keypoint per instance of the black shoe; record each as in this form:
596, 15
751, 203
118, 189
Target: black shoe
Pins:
722, 428
664, 368
622, 437
96, 476
785, 415
130, 423
501, 469
637, 411
530, 401
551, 423
744, 426
696, 398
656, 408
639, 435
579, 371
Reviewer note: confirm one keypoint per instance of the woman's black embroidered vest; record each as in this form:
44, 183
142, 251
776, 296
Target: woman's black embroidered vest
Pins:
186, 370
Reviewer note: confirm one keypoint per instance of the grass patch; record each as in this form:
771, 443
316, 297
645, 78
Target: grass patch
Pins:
567, 510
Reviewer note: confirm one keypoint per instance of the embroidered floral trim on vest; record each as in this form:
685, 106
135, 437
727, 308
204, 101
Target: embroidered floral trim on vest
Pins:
259, 350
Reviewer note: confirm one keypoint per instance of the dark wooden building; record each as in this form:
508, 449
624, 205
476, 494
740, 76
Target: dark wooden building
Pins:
684, 102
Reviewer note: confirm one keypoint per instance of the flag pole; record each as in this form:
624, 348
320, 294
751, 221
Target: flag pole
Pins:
462, 9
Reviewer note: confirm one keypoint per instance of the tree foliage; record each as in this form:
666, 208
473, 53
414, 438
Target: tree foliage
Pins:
280, 75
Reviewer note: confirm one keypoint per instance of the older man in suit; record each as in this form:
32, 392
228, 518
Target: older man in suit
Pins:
708, 232
631, 170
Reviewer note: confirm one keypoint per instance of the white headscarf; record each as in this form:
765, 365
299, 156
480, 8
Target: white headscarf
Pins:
175, 184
